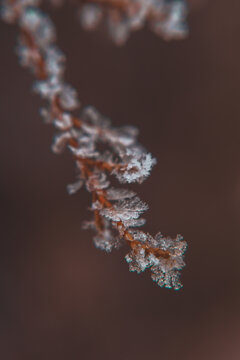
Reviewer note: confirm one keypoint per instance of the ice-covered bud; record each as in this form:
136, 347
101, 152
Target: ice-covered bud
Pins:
90, 16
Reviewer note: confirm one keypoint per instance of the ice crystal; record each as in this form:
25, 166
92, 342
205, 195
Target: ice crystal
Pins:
125, 210
85, 151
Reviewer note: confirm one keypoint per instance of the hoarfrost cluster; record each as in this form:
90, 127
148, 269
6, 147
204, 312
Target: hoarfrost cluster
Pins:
166, 18
101, 151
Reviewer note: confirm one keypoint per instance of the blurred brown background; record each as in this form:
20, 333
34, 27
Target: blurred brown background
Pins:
60, 298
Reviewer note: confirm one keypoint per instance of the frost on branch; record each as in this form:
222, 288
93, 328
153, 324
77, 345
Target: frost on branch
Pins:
165, 269
167, 18
138, 168
125, 210
119, 194
99, 150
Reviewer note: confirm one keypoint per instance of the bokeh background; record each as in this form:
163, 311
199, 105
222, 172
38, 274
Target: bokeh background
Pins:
60, 298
